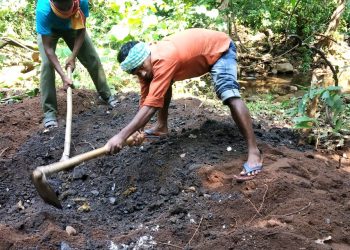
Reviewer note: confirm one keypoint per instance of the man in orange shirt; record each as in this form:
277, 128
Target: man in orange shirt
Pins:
188, 54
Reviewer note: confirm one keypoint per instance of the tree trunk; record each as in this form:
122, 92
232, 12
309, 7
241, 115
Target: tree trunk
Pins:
333, 25
325, 42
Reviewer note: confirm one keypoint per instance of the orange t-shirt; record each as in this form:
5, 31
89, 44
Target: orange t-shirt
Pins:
187, 54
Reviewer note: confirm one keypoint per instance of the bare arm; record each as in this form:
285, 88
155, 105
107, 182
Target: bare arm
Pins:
139, 121
50, 53
77, 45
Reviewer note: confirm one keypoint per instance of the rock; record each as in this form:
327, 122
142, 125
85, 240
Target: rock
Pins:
112, 200
192, 136
284, 67
20, 205
174, 189
173, 220
79, 173
11, 101
323, 240
293, 88
191, 189
129, 191
84, 208
95, 192
288, 219
267, 58
208, 196
250, 99
163, 191
156, 205
65, 246
273, 223
71, 230
178, 209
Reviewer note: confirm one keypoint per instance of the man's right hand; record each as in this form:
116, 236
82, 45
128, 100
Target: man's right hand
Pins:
67, 82
137, 138
70, 63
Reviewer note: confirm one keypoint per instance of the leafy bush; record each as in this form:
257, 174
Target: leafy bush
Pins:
331, 109
17, 18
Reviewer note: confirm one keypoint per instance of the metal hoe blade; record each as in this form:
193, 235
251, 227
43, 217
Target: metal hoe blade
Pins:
39, 174
44, 189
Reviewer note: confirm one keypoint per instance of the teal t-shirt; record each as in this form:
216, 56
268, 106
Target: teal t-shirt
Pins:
46, 20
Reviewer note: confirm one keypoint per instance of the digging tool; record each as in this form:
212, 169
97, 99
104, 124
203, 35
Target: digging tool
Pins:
40, 173
67, 139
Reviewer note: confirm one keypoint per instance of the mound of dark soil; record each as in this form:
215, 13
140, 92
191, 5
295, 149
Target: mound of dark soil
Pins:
176, 193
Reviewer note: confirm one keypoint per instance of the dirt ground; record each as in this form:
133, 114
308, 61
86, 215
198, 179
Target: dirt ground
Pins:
176, 193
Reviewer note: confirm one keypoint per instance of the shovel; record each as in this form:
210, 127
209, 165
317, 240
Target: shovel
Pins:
40, 173
67, 139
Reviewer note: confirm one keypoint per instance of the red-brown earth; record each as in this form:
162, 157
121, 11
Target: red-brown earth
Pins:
176, 193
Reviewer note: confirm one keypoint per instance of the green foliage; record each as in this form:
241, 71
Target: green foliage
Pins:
2, 59
147, 20
266, 107
304, 122
345, 27
17, 18
331, 110
17, 98
115, 22
306, 58
308, 16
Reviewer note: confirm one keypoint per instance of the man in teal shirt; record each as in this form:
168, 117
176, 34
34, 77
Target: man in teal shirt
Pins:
65, 19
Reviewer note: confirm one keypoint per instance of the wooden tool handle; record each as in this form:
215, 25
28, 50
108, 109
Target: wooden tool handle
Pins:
71, 162
67, 139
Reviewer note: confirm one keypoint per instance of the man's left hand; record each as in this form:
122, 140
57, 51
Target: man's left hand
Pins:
115, 144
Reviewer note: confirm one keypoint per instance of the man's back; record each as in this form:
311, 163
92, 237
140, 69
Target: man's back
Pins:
187, 54
199, 42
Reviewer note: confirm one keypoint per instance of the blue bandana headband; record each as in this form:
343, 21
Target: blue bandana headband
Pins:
137, 55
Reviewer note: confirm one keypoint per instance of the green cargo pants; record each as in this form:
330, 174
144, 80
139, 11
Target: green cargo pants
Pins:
87, 56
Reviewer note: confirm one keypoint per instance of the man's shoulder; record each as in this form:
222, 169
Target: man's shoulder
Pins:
84, 6
43, 6
164, 50
84, 3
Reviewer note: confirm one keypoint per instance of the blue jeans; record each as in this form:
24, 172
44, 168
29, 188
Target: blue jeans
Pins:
224, 73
